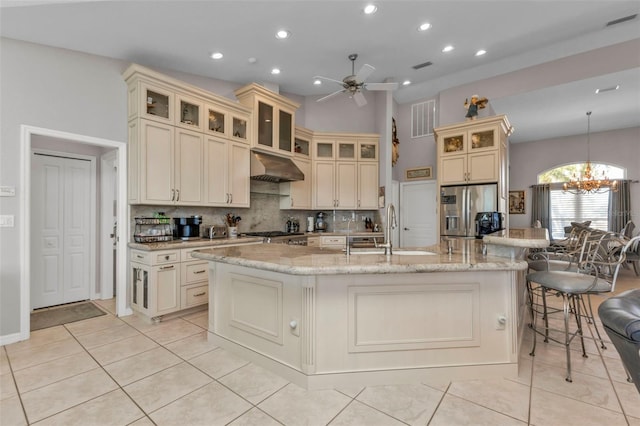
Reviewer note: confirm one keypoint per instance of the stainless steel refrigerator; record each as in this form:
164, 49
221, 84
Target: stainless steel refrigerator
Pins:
459, 205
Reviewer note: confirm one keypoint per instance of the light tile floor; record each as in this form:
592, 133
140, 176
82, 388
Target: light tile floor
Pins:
125, 371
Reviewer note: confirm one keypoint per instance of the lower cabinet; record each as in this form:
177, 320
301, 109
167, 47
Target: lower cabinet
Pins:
162, 283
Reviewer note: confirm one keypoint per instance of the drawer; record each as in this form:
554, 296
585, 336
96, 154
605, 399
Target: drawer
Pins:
333, 241
313, 242
185, 255
153, 258
194, 295
195, 272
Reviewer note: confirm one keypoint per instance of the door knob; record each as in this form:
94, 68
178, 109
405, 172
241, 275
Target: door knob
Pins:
406, 229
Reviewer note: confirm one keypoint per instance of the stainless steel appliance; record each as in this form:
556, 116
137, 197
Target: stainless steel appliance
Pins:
459, 205
488, 222
320, 225
213, 232
279, 237
187, 228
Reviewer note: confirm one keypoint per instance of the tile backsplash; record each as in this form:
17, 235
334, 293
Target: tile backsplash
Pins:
263, 215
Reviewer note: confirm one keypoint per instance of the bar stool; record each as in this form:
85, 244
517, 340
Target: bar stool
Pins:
600, 258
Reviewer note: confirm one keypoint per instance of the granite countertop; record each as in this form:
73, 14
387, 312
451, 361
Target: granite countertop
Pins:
345, 233
301, 260
520, 237
200, 242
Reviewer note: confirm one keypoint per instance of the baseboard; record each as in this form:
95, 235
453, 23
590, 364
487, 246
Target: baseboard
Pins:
10, 338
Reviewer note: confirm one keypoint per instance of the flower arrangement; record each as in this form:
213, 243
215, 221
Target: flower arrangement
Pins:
232, 220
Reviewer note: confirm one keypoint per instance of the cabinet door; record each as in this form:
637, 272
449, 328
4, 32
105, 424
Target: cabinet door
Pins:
367, 150
324, 184
156, 163
188, 167
265, 125
483, 167
346, 150
483, 139
189, 113
453, 144
453, 170
139, 287
239, 170
156, 103
368, 186
285, 132
324, 150
240, 129
165, 295
215, 120
346, 185
300, 191
216, 172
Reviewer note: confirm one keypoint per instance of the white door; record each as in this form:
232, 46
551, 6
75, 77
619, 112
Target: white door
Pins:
418, 214
61, 249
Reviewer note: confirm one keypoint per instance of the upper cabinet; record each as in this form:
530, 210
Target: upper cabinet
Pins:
273, 119
470, 152
171, 125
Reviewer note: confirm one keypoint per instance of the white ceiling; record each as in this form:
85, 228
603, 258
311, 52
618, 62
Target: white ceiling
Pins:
180, 35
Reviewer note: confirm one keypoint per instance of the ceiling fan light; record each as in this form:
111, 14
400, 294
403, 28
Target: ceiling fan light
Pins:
370, 9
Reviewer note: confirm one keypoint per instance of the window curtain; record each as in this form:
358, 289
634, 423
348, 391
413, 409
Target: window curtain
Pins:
541, 205
620, 206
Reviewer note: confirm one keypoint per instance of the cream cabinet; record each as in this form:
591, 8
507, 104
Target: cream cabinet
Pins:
165, 164
296, 195
155, 284
337, 242
273, 119
226, 172
345, 172
470, 152
170, 125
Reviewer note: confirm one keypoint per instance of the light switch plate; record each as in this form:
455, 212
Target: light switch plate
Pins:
6, 221
7, 191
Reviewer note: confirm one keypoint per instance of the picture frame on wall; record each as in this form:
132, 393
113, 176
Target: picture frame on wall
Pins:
419, 173
516, 202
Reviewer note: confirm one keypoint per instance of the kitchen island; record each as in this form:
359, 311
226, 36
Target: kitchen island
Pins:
323, 319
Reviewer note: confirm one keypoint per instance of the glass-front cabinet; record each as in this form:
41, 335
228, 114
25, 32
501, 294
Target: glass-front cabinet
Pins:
189, 112
468, 141
215, 120
273, 119
240, 129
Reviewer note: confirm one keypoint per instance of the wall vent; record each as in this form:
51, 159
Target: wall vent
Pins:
422, 118
621, 20
422, 65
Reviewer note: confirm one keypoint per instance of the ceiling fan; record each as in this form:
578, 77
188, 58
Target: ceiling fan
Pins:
354, 83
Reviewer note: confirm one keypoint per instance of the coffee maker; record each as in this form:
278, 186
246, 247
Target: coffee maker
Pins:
186, 228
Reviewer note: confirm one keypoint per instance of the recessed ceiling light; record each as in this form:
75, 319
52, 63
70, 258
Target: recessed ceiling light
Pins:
406, 82
424, 27
282, 34
216, 55
369, 9
448, 48
317, 82
481, 52
275, 71
608, 89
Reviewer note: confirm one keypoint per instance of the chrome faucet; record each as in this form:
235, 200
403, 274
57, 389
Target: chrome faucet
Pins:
391, 224
347, 248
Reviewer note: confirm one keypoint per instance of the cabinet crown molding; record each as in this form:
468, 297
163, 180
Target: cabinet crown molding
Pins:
256, 89
501, 119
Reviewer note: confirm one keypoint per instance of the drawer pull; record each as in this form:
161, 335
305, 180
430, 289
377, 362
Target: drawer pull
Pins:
167, 267
139, 256
200, 272
167, 257
200, 294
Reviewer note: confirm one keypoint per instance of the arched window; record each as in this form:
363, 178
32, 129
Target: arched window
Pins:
567, 207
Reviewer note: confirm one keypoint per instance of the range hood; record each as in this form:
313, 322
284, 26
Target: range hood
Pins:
272, 168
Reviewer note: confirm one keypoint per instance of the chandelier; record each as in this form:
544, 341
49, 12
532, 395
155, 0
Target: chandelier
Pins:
589, 182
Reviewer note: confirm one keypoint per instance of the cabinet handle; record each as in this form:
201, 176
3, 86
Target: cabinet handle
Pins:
199, 294
139, 256
173, 195
177, 195
200, 272
291, 201
228, 199
231, 198
167, 267
358, 203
